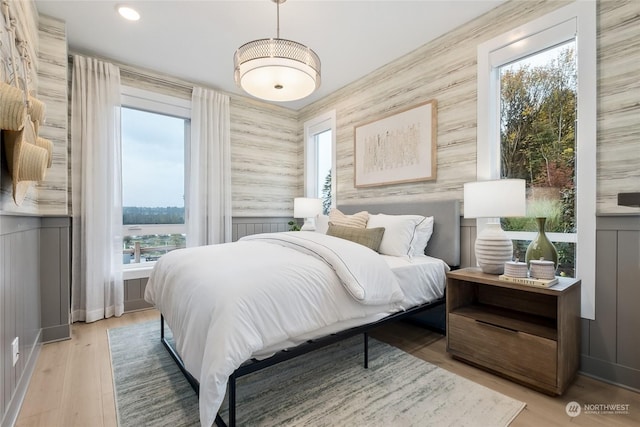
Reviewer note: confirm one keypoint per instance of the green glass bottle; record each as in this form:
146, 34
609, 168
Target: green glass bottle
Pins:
541, 247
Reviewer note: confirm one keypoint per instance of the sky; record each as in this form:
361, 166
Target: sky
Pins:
152, 159
540, 59
324, 158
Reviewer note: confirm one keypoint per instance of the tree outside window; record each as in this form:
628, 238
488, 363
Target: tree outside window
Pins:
537, 142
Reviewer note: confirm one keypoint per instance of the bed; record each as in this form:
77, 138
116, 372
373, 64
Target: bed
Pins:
286, 294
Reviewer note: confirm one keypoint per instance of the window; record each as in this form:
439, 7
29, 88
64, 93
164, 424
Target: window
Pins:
154, 131
538, 83
320, 159
537, 100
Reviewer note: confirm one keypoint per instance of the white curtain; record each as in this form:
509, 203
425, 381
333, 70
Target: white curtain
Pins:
209, 178
96, 287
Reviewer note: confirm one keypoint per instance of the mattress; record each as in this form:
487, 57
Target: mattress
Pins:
422, 279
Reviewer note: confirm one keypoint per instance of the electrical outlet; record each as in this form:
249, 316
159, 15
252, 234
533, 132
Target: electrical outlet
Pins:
15, 350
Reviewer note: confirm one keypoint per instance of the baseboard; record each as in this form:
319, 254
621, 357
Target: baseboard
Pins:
135, 305
13, 408
622, 376
56, 333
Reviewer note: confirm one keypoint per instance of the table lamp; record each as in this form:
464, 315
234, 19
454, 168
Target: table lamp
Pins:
494, 199
307, 208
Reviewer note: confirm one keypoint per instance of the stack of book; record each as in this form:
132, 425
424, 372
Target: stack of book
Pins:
529, 281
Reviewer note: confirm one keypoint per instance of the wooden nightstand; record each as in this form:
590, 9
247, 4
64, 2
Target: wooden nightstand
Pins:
528, 334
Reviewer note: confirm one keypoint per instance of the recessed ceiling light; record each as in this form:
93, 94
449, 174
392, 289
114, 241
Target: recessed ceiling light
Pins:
128, 13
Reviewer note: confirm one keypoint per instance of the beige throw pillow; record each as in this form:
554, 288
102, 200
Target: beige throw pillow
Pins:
358, 220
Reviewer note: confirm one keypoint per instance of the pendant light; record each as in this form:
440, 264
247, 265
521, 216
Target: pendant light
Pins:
277, 69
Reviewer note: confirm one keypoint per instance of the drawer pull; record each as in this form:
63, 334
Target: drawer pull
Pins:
496, 326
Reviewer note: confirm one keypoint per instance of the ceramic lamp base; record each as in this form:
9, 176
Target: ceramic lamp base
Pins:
493, 248
309, 224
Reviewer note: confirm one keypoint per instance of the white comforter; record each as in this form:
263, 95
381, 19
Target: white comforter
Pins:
226, 302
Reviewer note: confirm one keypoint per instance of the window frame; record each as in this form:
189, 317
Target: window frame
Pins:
520, 42
313, 127
153, 102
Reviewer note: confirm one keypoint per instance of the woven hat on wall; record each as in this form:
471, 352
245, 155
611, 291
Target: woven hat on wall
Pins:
47, 145
20, 118
13, 110
36, 110
27, 162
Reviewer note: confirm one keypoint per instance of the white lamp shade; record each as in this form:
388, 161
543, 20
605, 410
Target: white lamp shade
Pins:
305, 207
495, 199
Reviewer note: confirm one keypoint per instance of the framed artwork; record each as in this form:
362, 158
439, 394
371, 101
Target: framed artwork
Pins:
397, 148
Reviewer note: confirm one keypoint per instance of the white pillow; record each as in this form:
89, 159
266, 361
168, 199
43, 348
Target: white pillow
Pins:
322, 223
423, 233
399, 232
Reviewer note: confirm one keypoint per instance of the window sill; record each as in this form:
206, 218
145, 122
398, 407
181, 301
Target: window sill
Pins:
137, 272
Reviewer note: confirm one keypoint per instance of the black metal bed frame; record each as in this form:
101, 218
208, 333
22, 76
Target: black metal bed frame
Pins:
254, 365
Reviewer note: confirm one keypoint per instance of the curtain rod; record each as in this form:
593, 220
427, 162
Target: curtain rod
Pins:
150, 76
139, 73
142, 75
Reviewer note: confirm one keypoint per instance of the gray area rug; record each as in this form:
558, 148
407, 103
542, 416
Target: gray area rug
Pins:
327, 387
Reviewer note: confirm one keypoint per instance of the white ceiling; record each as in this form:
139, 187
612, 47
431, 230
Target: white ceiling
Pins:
196, 40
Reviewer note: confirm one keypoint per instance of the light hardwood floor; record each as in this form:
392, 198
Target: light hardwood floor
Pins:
72, 384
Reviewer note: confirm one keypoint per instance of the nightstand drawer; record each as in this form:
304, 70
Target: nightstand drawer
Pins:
517, 354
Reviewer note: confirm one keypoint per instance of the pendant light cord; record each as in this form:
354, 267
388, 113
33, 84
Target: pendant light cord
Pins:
278, 18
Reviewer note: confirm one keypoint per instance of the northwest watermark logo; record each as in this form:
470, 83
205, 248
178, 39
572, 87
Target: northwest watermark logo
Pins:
573, 409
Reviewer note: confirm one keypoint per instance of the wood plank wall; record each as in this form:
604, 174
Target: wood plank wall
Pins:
618, 135
19, 308
55, 273
53, 91
266, 173
610, 344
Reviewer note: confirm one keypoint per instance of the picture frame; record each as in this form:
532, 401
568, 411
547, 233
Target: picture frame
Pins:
397, 148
